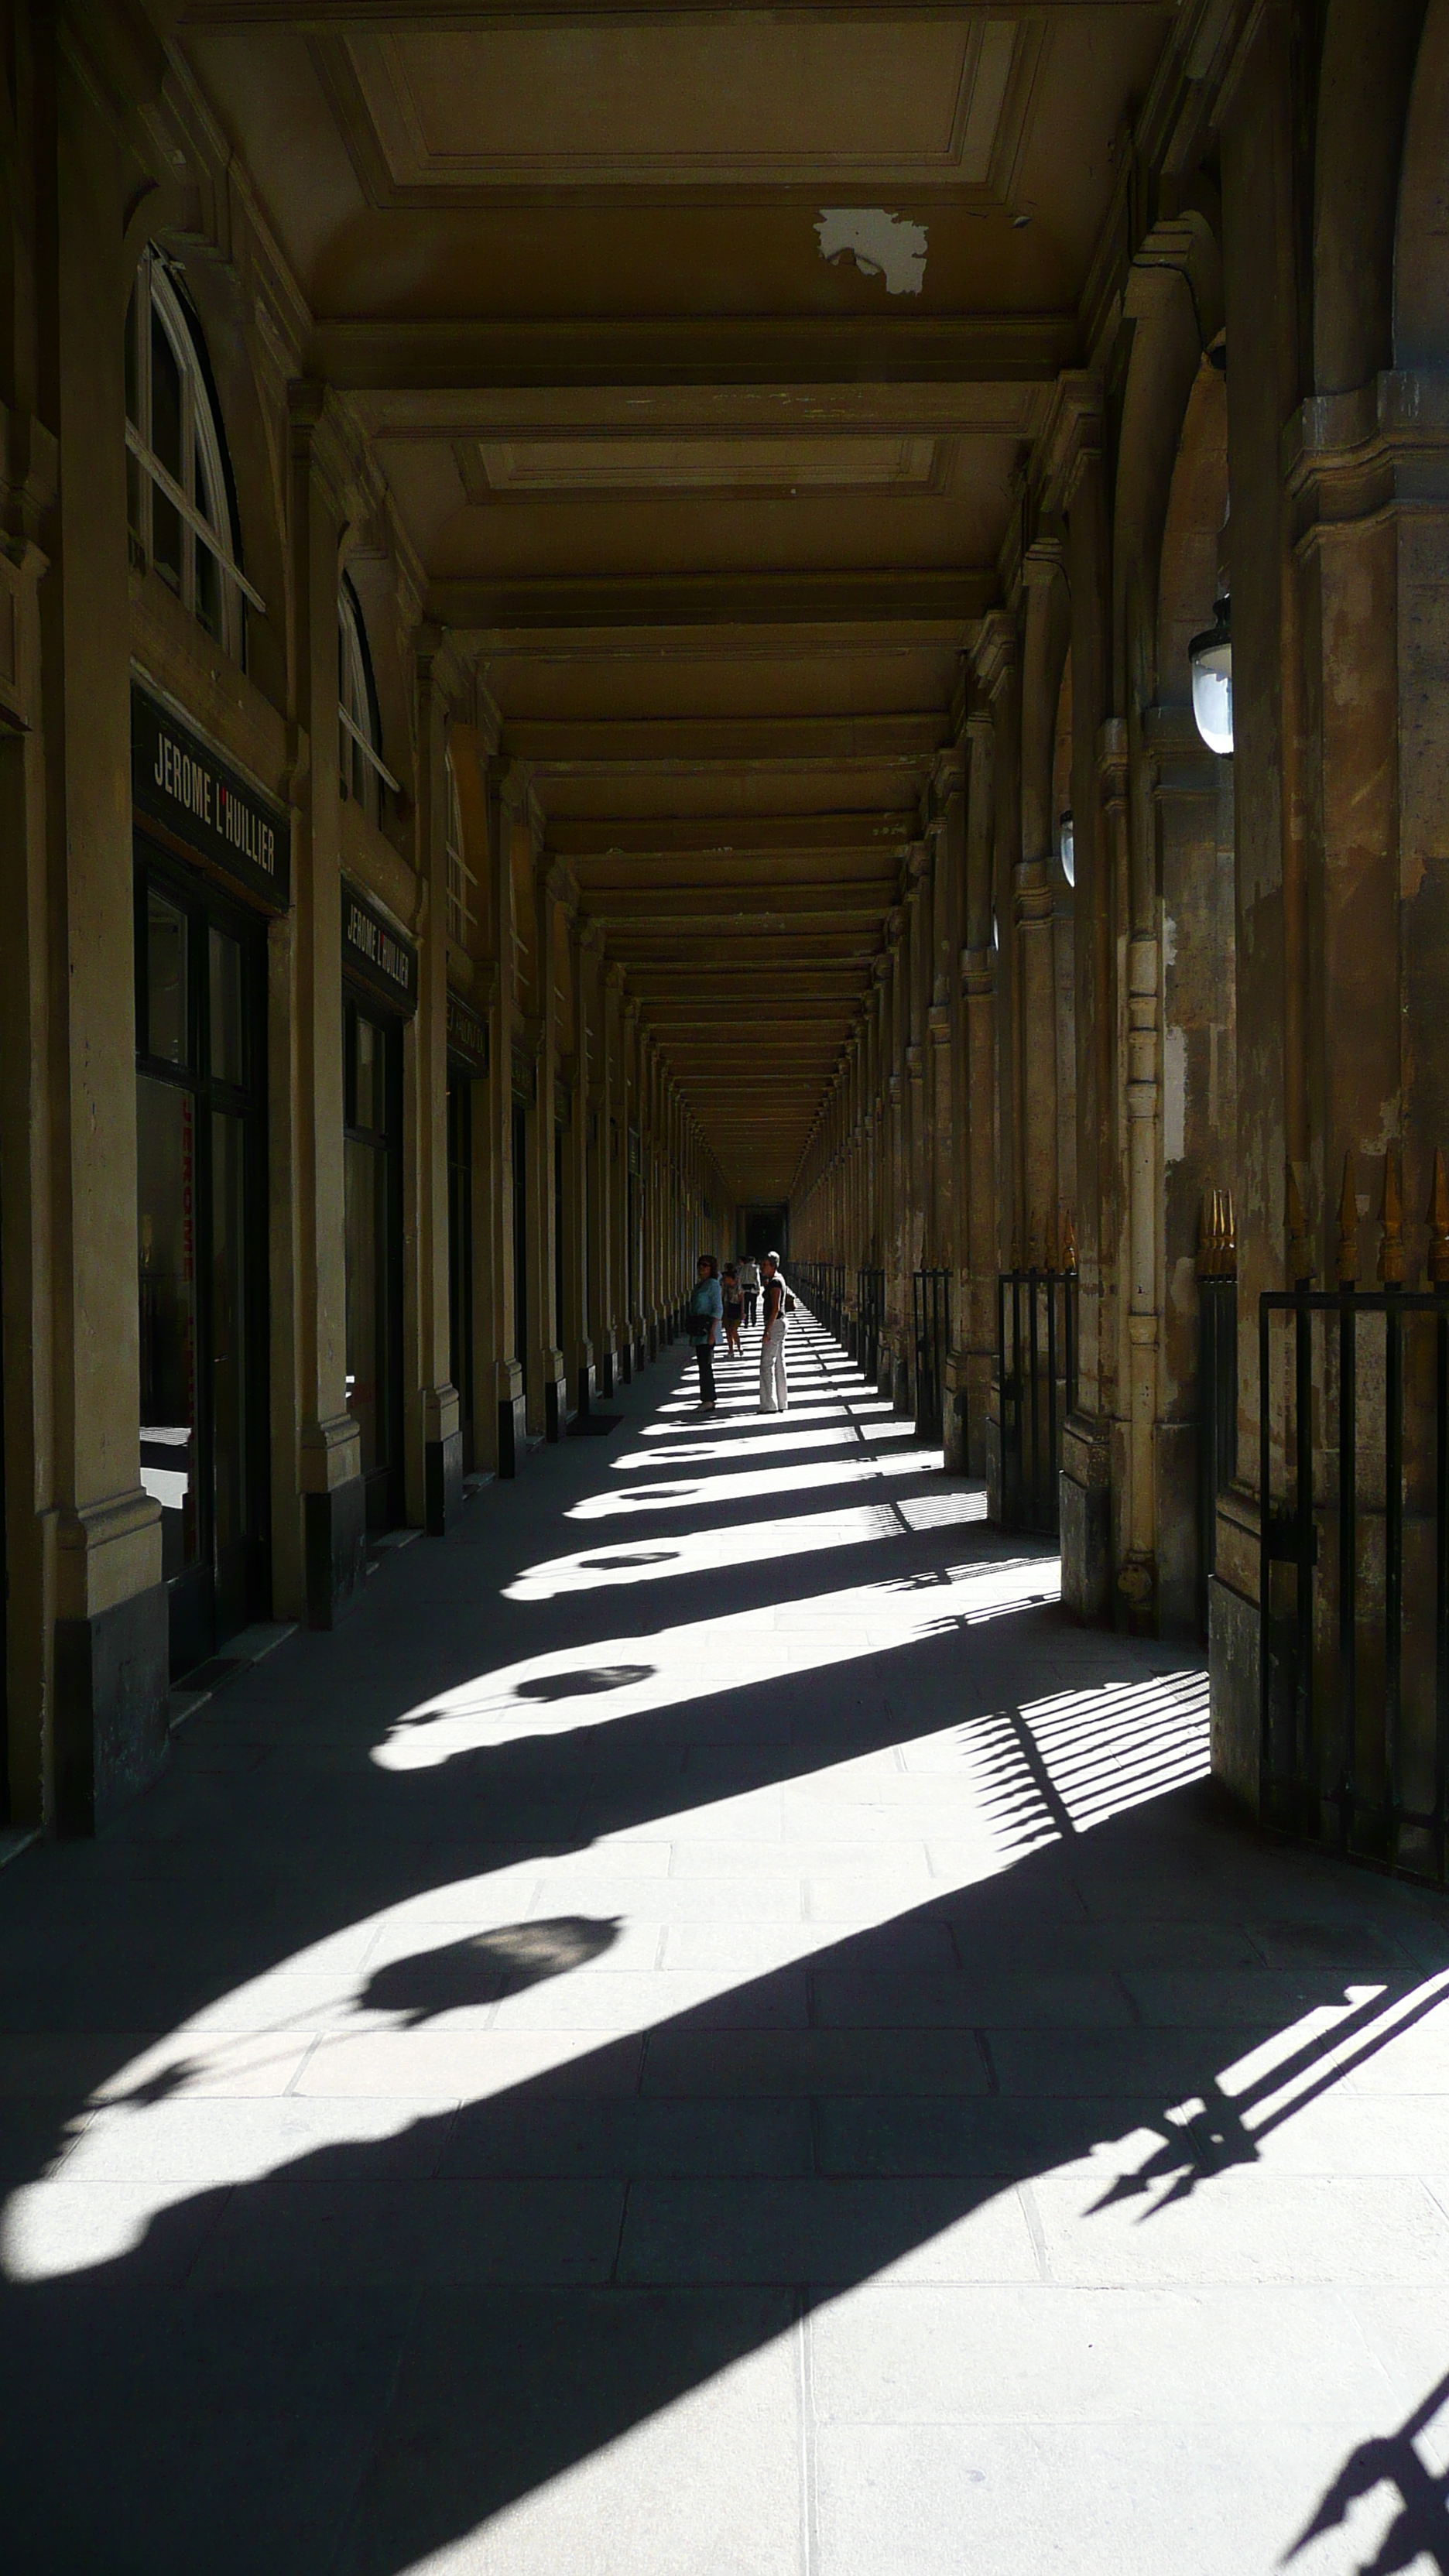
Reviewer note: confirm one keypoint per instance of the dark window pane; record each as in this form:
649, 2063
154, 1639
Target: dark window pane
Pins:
228, 1055
365, 1178
208, 571
228, 1327
368, 1110
166, 445
166, 1195
165, 981
166, 403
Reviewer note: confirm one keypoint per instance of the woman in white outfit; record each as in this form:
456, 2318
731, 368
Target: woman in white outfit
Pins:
774, 1388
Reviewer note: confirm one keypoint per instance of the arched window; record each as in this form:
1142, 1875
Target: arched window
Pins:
360, 762
178, 503
462, 883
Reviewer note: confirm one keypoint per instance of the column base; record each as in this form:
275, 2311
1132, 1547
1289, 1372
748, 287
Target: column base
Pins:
336, 1540
442, 1482
555, 1396
112, 1673
1086, 1520
1234, 1692
953, 1428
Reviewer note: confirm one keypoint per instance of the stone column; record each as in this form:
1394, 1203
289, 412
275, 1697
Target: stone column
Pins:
435, 1447
978, 991
1262, 289
633, 1148
1033, 908
547, 1400
1087, 1548
597, 1177
948, 1017
329, 1470
91, 1647
502, 1349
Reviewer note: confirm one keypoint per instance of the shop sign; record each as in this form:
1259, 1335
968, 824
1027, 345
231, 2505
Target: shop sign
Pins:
467, 1034
376, 954
205, 808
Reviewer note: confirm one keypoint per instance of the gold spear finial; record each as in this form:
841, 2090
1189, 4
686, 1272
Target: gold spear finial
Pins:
1391, 1221
1069, 1243
1347, 1229
1230, 1237
1300, 1250
1437, 1217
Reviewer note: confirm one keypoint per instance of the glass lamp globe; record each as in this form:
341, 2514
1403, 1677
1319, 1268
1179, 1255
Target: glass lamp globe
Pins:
1067, 844
1210, 659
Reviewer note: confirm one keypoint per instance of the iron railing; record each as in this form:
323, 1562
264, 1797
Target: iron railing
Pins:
1036, 1370
1217, 1378
931, 1318
1354, 1566
870, 1314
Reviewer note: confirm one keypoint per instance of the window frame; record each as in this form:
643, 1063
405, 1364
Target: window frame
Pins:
462, 916
155, 297
362, 771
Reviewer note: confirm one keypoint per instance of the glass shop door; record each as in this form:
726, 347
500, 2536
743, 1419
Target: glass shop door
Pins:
202, 1247
372, 1174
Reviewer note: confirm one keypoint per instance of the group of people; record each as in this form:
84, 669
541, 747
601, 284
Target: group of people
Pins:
722, 1302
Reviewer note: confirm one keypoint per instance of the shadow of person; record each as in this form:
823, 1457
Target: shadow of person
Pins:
587, 1679
483, 1967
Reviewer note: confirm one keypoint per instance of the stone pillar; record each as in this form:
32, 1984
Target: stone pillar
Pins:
597, 1177
504, 1344
328, 1472
978, 990
435, 1449
547, 1401
1086, 1536
1033, 910
1261, 290
29, 1482
90, 1648
633, 1149
948, 1018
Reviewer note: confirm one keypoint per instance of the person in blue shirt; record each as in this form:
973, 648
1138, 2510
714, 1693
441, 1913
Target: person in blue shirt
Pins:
706, 1307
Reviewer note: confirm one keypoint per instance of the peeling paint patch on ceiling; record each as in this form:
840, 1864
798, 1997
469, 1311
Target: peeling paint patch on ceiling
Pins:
882, 244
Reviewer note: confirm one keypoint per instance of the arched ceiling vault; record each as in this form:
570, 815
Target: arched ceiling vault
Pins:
700, 348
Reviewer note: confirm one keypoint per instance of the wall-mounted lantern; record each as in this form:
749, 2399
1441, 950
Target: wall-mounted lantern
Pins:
1210, 659
1067, 848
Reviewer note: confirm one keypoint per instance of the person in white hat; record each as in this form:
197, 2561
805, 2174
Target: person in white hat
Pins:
774, 1386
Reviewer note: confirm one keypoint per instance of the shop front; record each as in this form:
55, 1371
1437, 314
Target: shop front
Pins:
212, 864
380, 995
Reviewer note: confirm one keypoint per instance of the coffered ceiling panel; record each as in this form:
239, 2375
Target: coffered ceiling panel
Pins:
650, 465
729, 101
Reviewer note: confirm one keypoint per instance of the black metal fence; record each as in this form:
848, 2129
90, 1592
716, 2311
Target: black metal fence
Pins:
931, 1320
1217, 1378
1354, 1577
1036, 1370
869, 1317
821, 1287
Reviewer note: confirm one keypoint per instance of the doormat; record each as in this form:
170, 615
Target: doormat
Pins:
595, 1426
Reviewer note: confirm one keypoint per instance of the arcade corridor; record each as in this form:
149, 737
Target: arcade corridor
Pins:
710, 2032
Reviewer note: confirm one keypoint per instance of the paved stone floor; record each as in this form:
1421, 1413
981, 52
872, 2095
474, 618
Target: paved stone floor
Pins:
708, 2032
